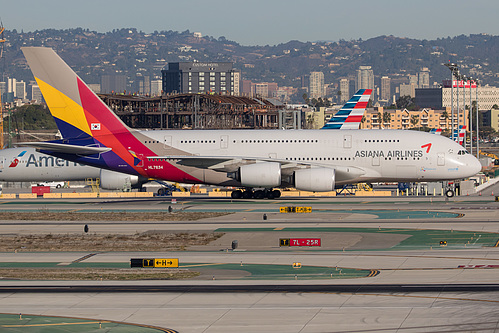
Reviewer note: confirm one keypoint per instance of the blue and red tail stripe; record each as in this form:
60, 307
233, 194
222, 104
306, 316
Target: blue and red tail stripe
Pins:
350, 115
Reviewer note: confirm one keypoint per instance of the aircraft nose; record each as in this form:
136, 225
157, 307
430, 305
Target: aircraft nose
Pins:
473, 166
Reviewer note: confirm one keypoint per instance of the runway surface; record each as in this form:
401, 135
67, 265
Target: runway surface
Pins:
419, 286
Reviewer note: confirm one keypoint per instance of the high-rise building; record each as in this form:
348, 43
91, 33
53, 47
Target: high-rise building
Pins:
20, 90
413, 79
236, 88
385, 88
408, 90
442, 97
36, 94
316, 89
344, 90
200, 77
113, 83
156, 86
11, 85
365, 78
305, 81
424, 78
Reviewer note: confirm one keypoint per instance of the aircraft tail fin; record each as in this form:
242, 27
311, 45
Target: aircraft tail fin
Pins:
350, 115
77, 110
92, 133
437, 131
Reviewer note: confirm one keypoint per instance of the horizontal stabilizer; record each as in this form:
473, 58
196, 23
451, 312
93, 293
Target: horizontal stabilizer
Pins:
64, 148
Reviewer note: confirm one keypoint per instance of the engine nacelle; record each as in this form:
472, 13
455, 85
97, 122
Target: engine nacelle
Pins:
264, 174
315, 179
111, 180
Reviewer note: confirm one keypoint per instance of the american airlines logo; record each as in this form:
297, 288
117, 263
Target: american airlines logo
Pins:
43, 162
15, 162
95, 126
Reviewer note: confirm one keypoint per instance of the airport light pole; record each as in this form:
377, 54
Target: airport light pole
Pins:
477, 121
470, 115
453, 68
463, 78
457, 76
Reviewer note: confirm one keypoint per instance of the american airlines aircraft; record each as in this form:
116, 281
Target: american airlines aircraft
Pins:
27, 165
309, 160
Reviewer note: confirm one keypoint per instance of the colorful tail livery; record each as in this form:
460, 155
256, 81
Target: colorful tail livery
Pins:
92, 133
350, 115
459, 135
436, 131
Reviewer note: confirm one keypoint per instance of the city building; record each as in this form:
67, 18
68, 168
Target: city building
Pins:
344, 90
316, 88
199, 77
36, 94
365, 79
407, 90
439, 98
156, 87
385, 89
424, 78
113, 84
405, 119
491, 118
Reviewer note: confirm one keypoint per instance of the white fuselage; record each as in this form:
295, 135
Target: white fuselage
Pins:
27, 165
381, 155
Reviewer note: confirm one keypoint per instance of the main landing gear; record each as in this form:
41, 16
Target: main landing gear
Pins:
258, 194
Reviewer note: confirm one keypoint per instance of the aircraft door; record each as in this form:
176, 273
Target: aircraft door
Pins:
141, 160
224, 141
2, 162
167, 142
347, 141
376, 161
441, 159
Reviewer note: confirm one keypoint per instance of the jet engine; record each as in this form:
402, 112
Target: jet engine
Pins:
315, 179
111, 180
264, 174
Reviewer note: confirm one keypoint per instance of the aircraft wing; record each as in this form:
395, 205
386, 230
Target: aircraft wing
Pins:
65, 148
233, 163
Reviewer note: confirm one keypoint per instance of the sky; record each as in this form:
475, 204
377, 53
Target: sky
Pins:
262, 22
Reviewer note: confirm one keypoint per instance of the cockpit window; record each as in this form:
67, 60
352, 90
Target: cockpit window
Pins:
462, 152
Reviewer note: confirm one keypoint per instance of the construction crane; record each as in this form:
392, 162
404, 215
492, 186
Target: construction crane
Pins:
2, 41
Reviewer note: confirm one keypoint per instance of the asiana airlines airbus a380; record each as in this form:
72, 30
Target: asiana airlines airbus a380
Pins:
311, 160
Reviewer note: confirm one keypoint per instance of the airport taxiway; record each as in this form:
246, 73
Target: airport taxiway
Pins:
421, 288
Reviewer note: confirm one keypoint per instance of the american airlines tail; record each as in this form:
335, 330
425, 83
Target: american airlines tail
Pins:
350, 115
88, 127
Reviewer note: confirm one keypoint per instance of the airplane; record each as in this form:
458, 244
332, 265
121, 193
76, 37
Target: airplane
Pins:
27, 165
350, 115
258, 161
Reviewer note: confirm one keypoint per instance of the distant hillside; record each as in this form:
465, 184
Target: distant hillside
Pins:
133, 53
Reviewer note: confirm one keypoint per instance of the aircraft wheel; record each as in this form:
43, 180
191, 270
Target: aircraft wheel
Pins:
248, 194
161, 191
449, 193
277, 193
270, 194
238, 194
259, 194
